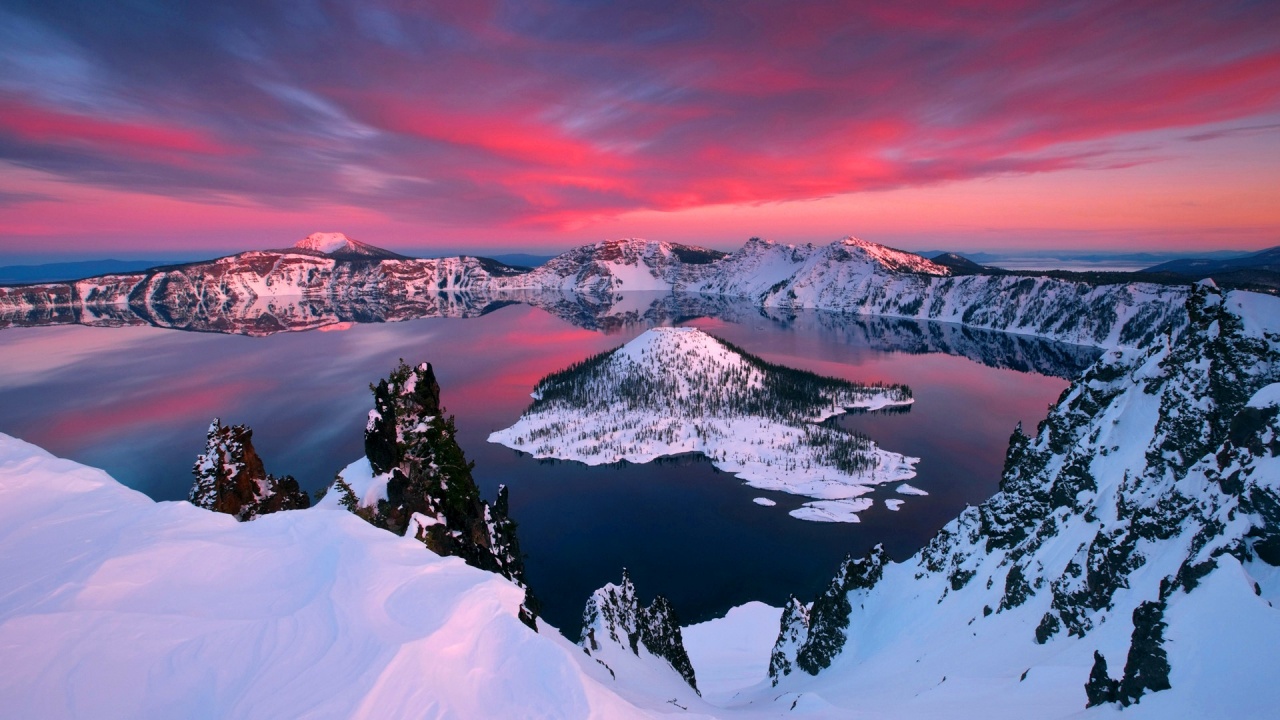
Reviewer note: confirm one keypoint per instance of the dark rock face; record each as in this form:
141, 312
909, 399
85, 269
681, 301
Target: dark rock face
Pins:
829, 616
611, 614
1100, 688
231, 479
614, 615
660, 633
793, 631
1147, 668
430, 492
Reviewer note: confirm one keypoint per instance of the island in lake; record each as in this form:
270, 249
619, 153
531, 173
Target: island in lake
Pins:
680, 390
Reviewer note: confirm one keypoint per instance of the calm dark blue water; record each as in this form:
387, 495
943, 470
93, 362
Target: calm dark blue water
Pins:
136, 401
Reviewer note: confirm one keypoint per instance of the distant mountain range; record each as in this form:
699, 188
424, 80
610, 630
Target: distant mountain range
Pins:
1268, 259
1068, 256
327, 278
1258, 271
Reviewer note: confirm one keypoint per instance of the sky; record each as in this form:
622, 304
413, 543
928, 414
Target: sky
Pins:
188, 129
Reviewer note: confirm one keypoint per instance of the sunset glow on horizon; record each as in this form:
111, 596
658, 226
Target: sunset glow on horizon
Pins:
170, 129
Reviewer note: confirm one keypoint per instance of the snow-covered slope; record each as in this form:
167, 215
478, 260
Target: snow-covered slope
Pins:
856, 276
761, 267
115, 606
611, 266
680, 390
262, 292
1135, 544
1140, 522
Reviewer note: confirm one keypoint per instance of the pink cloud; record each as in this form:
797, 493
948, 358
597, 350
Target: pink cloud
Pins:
527, 121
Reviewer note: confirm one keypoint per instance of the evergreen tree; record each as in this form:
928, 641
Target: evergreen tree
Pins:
411, 440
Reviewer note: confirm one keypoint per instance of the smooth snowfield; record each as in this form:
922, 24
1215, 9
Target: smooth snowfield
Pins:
114, 606
732, 652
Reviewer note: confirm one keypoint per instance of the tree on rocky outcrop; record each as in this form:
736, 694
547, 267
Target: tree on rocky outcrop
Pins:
430, 492
231, 479
793, 631
613, 615
829, 615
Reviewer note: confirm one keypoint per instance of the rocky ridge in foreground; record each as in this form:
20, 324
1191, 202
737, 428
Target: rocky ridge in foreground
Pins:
1145, 503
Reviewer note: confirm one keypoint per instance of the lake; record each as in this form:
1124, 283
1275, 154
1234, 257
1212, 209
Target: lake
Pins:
136, 401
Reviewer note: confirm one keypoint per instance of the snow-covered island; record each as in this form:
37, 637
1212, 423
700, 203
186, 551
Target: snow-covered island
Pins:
679, 390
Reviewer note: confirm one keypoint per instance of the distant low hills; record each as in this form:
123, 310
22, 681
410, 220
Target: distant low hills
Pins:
1258, 271
53, 272
1261, 270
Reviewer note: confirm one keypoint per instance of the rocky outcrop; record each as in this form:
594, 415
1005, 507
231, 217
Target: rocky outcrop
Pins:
231, 479
1156, 473
613, 618
793, 631
829, 616
429, 491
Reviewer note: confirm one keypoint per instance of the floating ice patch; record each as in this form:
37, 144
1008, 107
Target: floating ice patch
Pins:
832, 510
764, 501
894, 505
906, 489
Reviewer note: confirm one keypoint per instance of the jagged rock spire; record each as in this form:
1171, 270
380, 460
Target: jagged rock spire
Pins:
793, 631
231, 479
430, 493
829, 616
614, 616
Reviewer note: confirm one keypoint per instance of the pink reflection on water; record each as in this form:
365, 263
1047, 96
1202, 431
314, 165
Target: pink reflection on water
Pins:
122, 416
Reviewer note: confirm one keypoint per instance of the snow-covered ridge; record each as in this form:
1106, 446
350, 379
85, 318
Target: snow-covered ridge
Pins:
336, 244
855, 276
848, 276
1132, 549
679, 390
893, 260
325, 242
261, 292
609, 266
118, 606
860, 277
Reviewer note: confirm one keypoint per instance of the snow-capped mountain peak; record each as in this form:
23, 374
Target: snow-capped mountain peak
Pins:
891, 259
325, 242
337, 244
